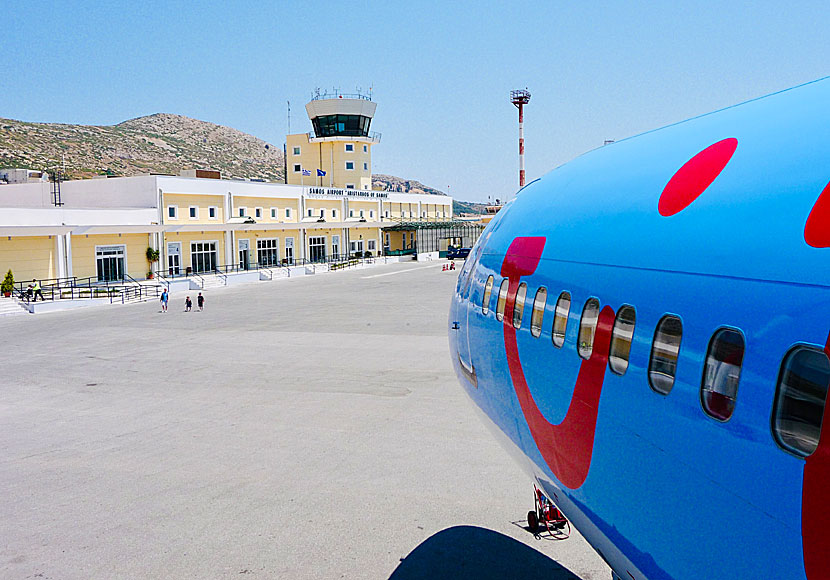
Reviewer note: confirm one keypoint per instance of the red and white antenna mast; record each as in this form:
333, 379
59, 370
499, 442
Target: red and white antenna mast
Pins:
520, 98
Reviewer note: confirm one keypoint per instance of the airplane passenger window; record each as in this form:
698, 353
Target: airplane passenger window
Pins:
665, 350
588, 327
519, 306
721, 373
621, 338
538, 312
560, 319
800, 400
488, 289
502, 300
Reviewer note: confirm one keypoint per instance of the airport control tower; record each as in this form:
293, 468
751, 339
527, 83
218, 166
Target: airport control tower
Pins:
338, 152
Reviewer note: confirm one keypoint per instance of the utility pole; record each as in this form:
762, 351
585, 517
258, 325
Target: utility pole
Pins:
520, 98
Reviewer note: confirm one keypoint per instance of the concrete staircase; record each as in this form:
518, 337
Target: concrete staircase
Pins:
10, 306
213, 282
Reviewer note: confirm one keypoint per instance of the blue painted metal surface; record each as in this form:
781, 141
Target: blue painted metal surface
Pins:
671, 492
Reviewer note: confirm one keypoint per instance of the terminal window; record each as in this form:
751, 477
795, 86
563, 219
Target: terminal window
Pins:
212, 212
194, 212
110, 262
288, 212
258, 212
350, 165
349, 147
296, 150
268, 253
341, 125
365, 148
365, 167
297, 168
172, 211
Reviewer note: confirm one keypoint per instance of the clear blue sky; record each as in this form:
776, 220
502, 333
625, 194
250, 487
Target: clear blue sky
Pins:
441, 71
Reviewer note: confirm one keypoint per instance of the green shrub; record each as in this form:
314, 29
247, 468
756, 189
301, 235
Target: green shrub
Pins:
152, 255
8, 282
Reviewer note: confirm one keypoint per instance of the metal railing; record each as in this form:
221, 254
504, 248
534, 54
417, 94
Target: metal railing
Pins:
59, 282
134, 293
74, 288
373, 136
404, 252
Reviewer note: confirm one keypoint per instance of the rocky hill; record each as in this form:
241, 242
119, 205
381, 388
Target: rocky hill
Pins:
160, 143
467, 207
392, 183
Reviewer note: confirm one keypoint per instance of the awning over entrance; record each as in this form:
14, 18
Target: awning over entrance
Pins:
127, 229
13, 231
428, 235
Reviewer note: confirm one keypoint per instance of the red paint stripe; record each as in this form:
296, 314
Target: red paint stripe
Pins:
696, 175
567, 448
817, 228
815, 503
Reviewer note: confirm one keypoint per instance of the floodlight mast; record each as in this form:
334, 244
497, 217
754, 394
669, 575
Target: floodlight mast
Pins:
520, 98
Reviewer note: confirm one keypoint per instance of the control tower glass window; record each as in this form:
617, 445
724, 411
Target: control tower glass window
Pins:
341, 125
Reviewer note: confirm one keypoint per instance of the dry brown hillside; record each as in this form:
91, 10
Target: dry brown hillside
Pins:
160, 143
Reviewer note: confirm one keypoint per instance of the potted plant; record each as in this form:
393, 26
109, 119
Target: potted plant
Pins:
8, 284
152, 256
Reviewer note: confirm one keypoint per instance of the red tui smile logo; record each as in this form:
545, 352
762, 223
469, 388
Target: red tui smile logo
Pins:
567, 448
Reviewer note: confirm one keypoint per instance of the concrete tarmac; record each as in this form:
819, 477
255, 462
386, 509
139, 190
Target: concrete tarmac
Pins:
302, 428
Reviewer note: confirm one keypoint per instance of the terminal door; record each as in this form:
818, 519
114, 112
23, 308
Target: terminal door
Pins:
174, 258
244, 254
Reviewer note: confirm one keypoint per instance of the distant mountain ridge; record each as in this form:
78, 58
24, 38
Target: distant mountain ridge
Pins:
392, 183
159, 143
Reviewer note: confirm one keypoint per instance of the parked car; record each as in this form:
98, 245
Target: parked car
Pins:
454, 253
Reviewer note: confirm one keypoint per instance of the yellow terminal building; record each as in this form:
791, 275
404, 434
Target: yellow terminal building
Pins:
222, 231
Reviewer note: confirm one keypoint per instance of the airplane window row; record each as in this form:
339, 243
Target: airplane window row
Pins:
802, 384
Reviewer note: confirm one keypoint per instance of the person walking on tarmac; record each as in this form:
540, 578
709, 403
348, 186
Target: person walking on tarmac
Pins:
37, 291
200, 301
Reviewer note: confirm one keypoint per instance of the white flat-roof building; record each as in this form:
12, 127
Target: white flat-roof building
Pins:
198, 224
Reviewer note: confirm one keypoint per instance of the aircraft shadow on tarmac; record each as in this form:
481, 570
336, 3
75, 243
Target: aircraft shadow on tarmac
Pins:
471, 552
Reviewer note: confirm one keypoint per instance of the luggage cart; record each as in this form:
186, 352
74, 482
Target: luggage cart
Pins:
548, 516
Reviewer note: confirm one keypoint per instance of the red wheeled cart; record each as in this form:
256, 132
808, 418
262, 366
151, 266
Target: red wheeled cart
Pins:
548, 516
